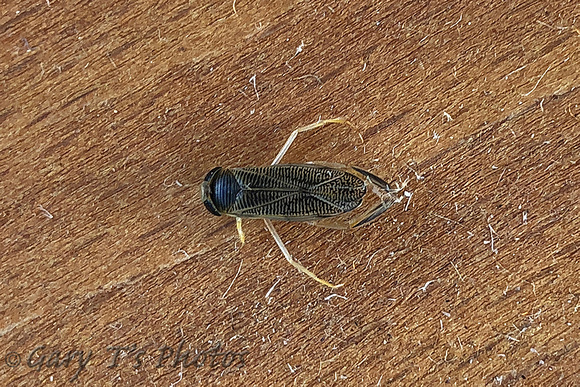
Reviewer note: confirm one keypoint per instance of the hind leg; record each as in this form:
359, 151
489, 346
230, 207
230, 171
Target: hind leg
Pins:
305, 129
357, 221
292, 261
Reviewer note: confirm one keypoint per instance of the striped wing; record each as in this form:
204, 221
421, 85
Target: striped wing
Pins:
300, 192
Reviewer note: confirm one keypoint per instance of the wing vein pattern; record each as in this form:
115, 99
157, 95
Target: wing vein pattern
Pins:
296, 192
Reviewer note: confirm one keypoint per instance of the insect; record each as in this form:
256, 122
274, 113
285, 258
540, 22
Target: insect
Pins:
322, 194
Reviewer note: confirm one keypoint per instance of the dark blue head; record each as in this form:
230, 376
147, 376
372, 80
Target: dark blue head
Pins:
219, 190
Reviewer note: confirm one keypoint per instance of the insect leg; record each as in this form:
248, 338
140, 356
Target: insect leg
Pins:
357, 221
331, 223
240, 231
374, 179
292, 261
304, 129
371, 215
383, 191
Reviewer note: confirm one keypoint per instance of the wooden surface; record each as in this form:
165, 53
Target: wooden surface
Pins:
112, 113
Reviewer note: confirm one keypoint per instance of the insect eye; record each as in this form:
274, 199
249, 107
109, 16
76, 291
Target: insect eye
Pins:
211, 174
206, 197
210, 207
206, 192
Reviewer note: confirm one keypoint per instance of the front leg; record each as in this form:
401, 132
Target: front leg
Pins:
240, 231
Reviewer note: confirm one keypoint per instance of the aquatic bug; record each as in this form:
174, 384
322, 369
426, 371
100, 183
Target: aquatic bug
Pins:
320, 193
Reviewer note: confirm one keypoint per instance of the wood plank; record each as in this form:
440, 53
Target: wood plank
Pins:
111, 115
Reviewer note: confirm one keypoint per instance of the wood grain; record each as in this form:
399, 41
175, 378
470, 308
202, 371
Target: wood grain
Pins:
112, 113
